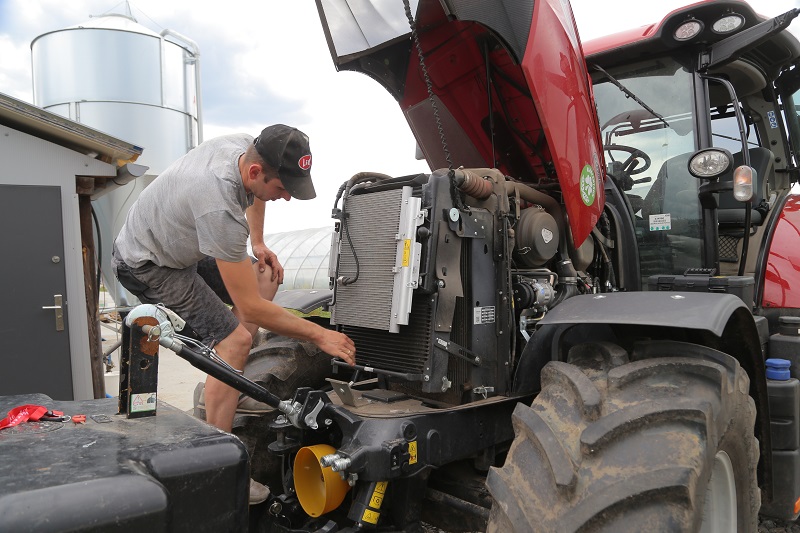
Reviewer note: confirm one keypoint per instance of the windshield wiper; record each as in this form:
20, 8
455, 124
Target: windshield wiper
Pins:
629, 94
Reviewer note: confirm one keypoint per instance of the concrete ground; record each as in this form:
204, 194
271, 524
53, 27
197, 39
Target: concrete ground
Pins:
177, 379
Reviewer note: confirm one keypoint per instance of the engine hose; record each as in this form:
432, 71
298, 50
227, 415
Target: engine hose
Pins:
567, 281
570, 289
471, 181
362, 177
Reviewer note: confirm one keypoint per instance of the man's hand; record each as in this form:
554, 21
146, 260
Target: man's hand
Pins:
265, 257
337, 344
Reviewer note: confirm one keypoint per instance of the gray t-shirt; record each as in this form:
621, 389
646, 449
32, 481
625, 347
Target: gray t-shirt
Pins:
195, 208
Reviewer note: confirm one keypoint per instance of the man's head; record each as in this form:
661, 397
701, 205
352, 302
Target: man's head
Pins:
285, 150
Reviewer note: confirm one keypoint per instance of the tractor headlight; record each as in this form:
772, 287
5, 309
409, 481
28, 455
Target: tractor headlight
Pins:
710, 163
688, 30
728, 24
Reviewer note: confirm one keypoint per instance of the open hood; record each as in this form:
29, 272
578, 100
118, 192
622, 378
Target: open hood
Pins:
509, 83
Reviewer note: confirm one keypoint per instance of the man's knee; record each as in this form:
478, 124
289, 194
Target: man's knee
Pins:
235, 347
267, 287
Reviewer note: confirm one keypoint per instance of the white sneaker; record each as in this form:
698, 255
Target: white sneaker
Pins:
258, 492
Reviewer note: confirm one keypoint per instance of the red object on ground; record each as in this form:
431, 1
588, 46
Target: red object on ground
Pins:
23, 413
79, 419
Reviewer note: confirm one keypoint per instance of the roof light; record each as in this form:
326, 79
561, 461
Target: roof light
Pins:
710, 163
728, 24
743, 183
688, 30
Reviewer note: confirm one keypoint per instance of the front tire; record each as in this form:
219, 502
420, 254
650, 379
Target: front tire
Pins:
658, 441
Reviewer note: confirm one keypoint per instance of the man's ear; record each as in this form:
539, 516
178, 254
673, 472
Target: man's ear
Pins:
253, 170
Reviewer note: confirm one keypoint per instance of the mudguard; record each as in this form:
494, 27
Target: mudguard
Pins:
685, 310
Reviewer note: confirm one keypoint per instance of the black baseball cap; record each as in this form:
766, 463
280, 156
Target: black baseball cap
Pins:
286, 149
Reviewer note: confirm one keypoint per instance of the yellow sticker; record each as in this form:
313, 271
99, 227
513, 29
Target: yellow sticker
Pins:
406, 252
377, 495
412, 452
376, 500
370, 516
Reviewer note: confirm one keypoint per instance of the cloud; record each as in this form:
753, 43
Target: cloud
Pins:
268, 62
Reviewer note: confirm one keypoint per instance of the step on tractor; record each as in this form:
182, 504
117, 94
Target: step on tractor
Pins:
586, 317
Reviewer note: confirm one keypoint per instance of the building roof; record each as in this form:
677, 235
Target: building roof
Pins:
49, 126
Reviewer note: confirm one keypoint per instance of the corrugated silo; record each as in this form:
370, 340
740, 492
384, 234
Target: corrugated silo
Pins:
117, 76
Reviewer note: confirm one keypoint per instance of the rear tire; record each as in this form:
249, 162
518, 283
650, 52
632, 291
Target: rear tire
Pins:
663, 443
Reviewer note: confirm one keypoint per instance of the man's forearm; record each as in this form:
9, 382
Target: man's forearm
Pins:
278, 320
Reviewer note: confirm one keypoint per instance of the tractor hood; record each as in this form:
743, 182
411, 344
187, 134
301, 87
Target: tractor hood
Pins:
509, 87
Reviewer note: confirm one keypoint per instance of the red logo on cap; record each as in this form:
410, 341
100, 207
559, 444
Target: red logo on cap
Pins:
305, 162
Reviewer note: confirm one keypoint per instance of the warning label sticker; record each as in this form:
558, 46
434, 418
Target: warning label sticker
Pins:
143, 402
483, 315
661, 222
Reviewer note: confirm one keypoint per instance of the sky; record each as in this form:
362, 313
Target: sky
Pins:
265, 62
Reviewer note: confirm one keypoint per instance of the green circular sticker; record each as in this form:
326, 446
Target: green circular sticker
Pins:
588, 185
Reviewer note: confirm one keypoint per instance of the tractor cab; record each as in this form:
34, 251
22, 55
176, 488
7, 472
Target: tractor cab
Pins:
685, 106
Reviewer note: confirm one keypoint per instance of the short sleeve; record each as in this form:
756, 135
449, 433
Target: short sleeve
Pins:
222, 236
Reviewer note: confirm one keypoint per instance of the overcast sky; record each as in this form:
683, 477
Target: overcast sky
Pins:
267, 62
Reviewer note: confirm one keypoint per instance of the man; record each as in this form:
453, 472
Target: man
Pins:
184, 244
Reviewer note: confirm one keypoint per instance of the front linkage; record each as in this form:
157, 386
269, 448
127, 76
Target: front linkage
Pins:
371, 455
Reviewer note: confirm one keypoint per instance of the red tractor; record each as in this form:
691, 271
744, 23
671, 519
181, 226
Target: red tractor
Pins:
576, 307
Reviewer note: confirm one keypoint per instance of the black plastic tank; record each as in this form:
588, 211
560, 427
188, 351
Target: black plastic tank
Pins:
784, 411
165, 473
785, 344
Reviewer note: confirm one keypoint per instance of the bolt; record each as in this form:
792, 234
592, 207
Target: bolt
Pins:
341, 464
328, 421
328, 460
478, 360
426, 377
276, 508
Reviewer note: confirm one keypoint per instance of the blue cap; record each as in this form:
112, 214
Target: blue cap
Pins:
778, 369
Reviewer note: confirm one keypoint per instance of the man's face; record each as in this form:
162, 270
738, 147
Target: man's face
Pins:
267, 189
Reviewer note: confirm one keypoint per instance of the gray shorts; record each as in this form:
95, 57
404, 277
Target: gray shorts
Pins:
197, 294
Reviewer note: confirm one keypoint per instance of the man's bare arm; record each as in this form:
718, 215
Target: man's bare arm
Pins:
240, 280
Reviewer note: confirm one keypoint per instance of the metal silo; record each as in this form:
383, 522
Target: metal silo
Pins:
117, 76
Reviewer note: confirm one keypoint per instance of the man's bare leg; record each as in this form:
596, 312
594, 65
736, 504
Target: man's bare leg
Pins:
220, 399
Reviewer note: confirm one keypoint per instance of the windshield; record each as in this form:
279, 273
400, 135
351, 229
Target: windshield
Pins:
647, 154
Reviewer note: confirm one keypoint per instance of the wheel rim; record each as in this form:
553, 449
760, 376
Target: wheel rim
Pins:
719, 511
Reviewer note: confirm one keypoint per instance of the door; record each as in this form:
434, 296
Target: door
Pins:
34, 351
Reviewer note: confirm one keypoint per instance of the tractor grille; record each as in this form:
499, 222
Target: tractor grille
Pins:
406, 352
373, 222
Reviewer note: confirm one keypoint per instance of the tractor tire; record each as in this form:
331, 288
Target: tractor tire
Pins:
658, 440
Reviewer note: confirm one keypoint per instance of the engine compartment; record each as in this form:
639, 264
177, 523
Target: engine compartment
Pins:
440, 279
